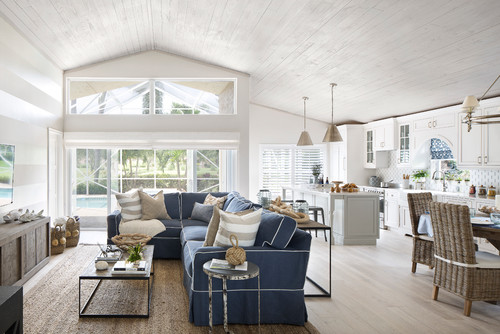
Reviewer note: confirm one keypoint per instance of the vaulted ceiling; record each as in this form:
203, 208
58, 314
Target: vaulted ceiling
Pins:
388, 57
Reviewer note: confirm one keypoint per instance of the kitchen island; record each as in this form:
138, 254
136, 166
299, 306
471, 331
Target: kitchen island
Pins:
353, 217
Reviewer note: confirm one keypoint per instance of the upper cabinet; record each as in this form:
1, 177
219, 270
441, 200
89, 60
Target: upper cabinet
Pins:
445, 120
404, 145
373, 158
477, 147
382, 134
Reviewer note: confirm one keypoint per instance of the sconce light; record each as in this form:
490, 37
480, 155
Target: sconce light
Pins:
470, 104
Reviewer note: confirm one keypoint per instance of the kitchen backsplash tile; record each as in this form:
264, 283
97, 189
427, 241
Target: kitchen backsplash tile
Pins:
486, 177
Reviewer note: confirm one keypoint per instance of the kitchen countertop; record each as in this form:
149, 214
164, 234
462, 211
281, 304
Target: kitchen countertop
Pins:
325, 191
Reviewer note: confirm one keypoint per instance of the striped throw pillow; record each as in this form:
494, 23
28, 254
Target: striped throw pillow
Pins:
130, 203
244, 227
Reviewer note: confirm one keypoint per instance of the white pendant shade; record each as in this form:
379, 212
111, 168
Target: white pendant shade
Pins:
304, 139
470, 101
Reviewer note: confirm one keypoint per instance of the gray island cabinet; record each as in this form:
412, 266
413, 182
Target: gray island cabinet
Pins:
353, 217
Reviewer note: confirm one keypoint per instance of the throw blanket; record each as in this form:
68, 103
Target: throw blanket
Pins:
150, 227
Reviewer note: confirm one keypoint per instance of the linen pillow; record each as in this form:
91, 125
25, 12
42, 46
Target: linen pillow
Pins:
213, 226
244, 227
153, 207
202, 212
130, 204
212, 200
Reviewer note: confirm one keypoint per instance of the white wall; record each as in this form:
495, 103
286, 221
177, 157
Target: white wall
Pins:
31, 102
272, 126
155, 64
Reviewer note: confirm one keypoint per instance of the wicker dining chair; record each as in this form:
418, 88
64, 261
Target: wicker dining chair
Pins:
423, 245
459, 268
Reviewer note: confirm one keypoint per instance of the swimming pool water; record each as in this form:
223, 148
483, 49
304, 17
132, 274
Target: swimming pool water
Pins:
92, 203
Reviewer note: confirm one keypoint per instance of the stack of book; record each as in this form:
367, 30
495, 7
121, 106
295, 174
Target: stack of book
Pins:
223, 264
127, 268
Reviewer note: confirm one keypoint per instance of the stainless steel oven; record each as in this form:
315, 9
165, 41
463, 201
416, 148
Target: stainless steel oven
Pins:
381, 194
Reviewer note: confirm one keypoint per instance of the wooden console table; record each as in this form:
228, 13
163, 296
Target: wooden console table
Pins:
24, 250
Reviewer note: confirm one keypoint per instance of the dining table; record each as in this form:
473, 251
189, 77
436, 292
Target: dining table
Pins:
482, 227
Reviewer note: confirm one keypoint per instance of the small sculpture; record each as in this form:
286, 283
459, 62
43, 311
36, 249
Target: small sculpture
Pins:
101, 265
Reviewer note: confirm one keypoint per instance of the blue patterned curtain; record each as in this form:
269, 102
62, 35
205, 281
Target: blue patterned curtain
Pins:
440, 150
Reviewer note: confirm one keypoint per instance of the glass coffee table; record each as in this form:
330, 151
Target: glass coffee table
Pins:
90, 273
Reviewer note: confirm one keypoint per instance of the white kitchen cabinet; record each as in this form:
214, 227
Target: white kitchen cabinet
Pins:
479, 147
404, 219
392, 208
348, 167
382, 134
372, 158
404, 145
438, 121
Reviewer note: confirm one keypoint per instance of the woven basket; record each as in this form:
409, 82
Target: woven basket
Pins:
58, 240
235, 255
124, 241
72, 232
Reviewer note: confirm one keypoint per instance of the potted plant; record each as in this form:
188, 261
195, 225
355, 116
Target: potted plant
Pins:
419, 178
135, 253
316, 171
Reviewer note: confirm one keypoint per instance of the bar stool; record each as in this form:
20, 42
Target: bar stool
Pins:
315, 210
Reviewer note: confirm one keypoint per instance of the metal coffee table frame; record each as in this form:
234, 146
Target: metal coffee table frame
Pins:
91, 274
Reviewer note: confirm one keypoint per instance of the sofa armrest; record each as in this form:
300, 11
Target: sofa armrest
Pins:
113, 221
279, 268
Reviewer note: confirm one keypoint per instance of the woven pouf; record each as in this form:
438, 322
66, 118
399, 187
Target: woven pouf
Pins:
126, 240
72, 232
235, 255
58, 240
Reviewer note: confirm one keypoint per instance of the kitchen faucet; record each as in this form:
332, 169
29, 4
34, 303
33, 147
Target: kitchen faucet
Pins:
443, 174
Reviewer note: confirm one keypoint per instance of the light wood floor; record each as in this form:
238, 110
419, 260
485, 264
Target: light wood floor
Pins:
373, 291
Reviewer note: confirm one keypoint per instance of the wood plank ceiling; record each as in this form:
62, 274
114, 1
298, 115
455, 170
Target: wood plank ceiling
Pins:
388, 57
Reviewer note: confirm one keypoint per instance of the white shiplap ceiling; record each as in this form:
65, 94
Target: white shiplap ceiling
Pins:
388, 57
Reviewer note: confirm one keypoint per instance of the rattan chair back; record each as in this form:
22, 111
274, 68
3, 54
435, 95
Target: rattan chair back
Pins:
418, 204
453, 239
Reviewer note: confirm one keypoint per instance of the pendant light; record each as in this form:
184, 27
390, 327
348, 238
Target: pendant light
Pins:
305, 139
332, 133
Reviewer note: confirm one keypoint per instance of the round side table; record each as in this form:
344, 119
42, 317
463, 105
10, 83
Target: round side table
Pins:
232, 275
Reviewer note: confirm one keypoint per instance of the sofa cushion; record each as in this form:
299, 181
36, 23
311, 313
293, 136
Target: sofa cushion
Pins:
193, 222
275, 230
244, 227
202, 212
189, 252
213, 226
173, 204
173, 228
196, 233
153, 207
130, 204
239, 204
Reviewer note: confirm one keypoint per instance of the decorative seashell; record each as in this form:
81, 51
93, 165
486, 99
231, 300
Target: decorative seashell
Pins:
62, 241
7, 219
15, 214
55, 243
40, 214
76, 233
70, 220
101, 265
24, 218
68, 234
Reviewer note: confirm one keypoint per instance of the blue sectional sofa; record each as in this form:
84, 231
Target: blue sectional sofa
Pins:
281, 251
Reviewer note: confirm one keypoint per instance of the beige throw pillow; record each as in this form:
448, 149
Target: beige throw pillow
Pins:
130, 204
212, 200
153, 207
213, 225
244, 227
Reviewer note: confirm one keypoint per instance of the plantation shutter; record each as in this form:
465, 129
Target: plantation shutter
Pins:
287, 166
305, 159
276, 169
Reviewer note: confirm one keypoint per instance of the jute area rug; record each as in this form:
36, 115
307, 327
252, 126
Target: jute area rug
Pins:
51, 306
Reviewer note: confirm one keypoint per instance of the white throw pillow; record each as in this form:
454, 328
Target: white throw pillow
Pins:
244, 227
130, 204
150, 227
